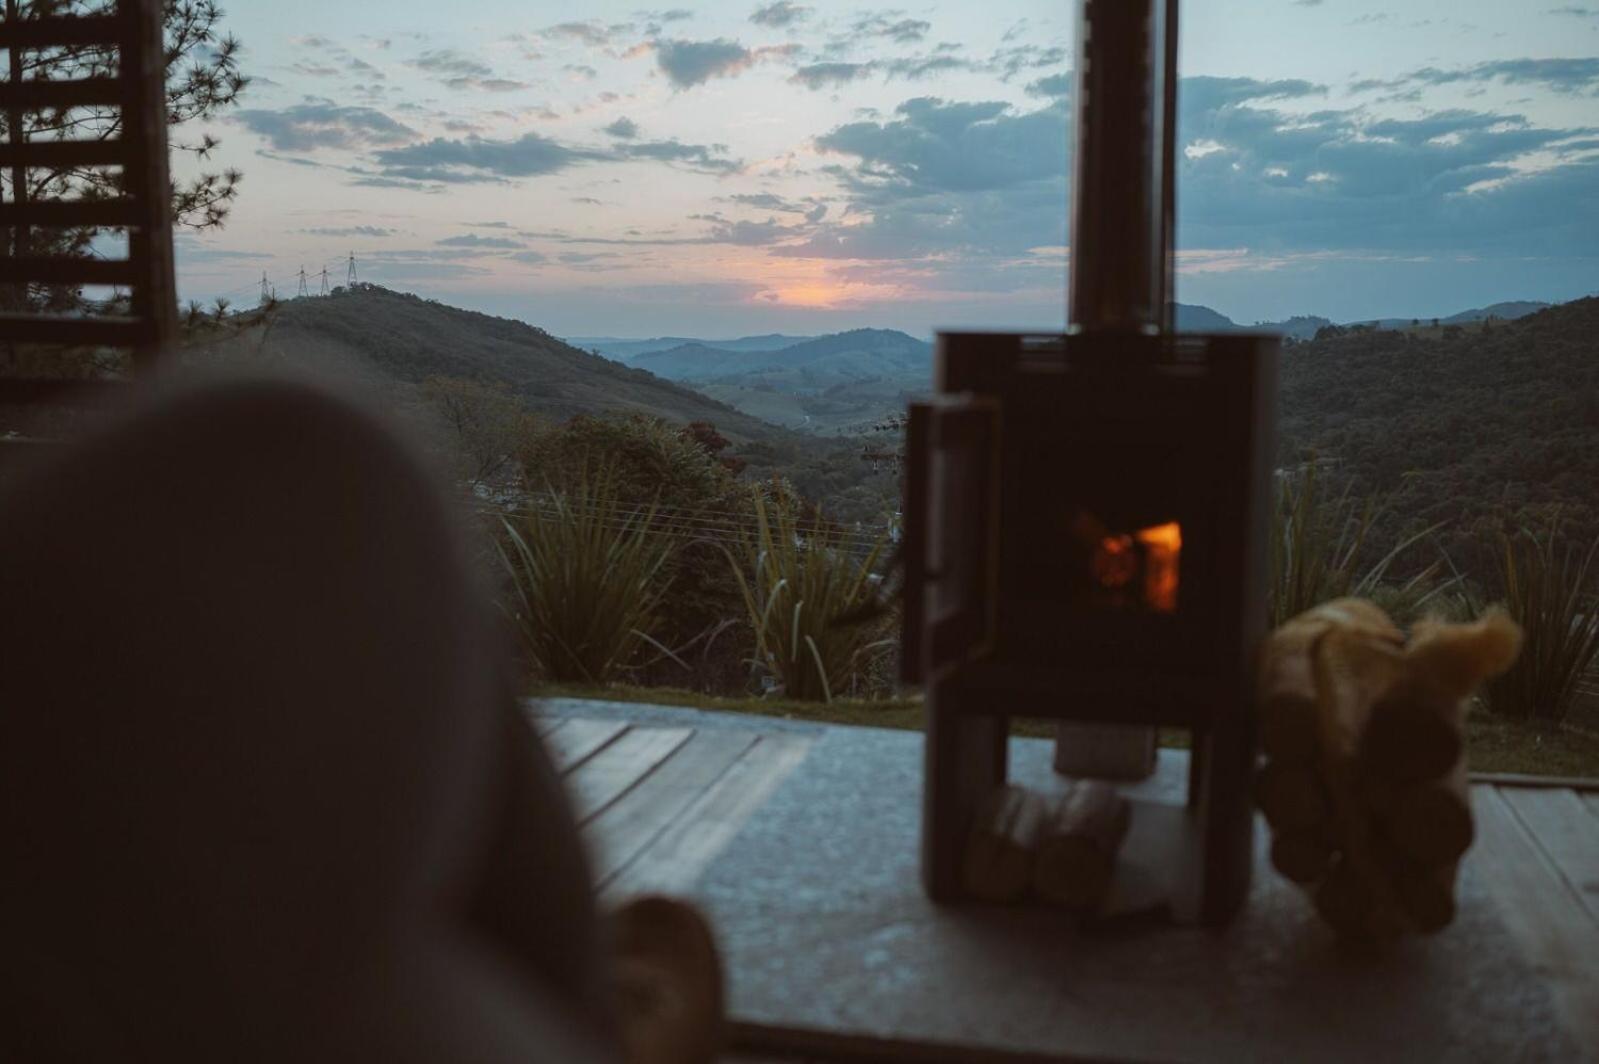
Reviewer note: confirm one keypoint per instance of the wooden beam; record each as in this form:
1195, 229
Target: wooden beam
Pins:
67, 270
624, 830
620, 767
1542, 914
71, 214
677, 858
62, 30
64, 154
78, 332
580, 740
1587, 784
74, 92
1560, 823
147, 179
31, 391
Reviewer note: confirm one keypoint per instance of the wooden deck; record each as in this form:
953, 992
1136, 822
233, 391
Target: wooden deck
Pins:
661, 794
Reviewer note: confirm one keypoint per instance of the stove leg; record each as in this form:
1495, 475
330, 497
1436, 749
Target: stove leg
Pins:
966, 758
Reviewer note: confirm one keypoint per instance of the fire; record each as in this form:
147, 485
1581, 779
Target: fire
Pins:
1163, 545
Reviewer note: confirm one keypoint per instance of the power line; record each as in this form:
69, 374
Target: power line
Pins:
302, 291
350, 279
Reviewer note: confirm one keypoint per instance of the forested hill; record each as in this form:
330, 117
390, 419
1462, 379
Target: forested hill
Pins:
1460, 423
384, 336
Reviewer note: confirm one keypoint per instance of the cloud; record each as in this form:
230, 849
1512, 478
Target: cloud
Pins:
351, 230
1054, 85
1011, 61
593, 33
623, 128
690, 63
1575, 11
458, 71
1342, 179
779, 14
706, 158
888, 24
323, 124
447, 62
475, 158
488, 243
828, 75
932, 144
1573, 76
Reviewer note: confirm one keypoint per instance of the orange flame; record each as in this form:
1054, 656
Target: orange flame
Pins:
1164, 545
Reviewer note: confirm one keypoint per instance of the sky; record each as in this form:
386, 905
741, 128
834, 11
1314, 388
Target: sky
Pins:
807, 166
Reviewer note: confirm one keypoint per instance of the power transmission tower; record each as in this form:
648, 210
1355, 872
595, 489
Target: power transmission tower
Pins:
265, 287
303, 291
350, 280
324, 281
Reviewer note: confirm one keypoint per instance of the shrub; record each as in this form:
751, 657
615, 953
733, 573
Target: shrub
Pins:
1549, 586
801, 585
1319, 551
586, 581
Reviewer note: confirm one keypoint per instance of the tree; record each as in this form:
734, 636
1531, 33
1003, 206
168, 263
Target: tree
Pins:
486, 424
203, 79
713, 443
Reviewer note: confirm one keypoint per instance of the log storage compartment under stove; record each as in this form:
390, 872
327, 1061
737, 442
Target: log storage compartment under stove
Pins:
1086, 514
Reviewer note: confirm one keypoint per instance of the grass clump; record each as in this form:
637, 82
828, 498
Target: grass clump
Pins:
1550, 587
800, 586
1319, 552
585, 575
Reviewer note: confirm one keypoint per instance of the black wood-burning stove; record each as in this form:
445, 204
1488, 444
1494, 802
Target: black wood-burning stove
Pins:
1086, 514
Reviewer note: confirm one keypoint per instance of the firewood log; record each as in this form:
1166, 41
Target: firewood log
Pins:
1077, 854
1003, 844
1292, 796
1427, 896
1430, 823
1420, 733
1353, 905
1304, 857
1416, 735
1288, 689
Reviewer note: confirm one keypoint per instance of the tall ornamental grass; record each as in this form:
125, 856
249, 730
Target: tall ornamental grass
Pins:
804, 590
586, 582
1318, 549
1550, 586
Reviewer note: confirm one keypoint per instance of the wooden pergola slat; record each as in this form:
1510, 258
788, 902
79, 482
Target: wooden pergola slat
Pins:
71, 214
86, 331
64, 154
63, 30
79, 92
66, 270
138, 90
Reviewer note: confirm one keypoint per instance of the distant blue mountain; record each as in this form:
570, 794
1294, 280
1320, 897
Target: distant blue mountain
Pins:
627, 350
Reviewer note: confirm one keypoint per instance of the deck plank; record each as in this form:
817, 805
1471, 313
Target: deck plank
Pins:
632, 822
544, 727
619, 767
578, 740
1543, 913
675, 860
1592, 801
1558, 820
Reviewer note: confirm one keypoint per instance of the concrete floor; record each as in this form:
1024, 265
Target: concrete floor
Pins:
830, 942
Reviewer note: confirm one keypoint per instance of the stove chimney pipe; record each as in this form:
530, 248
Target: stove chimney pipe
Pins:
1123, 194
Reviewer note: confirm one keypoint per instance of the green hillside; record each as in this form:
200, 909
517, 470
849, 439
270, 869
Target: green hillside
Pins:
1460, 424
383, 337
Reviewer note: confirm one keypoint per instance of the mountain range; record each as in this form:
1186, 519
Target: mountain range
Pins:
1189, 316
391, 342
